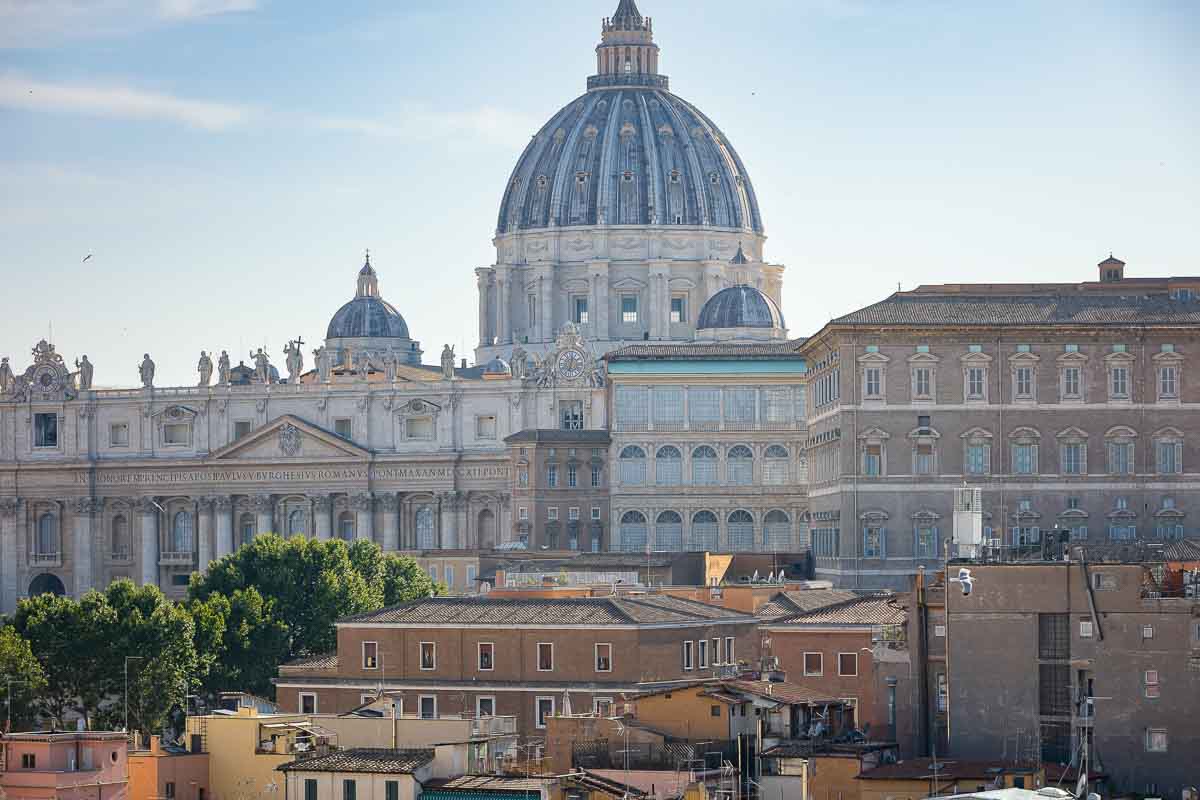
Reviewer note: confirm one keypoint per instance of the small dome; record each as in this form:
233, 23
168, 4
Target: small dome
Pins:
367, 318
497, 366
740, 307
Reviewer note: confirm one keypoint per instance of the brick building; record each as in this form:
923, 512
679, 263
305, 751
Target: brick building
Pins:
560, 489
527, 658
1069, 405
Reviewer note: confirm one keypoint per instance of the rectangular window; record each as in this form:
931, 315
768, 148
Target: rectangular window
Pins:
308, 703
979, 459
678, 310
543, 710
118, 434
310, 789
668, 408
923, 459
1072, 458
45, 430
688, 664
487, 656
872, 382
1071, 382
740, 408
1168, 382
632, 408
814, 665
596, 512
349, 789
873, 542
848, 664
580, 310
450, 576
1118, 385
169, 789
1170, 458
943, 693
391, 790
370, 655
523, 478
702, 654
704, 408
552, 514
572, 476
729, 658
1085, 629
927, 542
872, 459
428, 656
427, 706
470, 577
602, 706
28, 761
1024, 457
485, 706
1024, 382
716, 652
342, 427
545, 657
531, 306
573, 513
552, 476
523, 513
571, 415
1120, 458
485, 427
1156, 740
629, 309
603, 657
922, 382
176, 433
419, 428
976, 382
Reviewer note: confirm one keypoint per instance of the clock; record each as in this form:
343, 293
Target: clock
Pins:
570, 364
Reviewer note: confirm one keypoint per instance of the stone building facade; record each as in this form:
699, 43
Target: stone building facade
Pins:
154, 483
1071, 406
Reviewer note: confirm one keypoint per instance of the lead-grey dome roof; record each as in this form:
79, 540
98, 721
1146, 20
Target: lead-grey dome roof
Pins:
740, 307
629, 155
367, 316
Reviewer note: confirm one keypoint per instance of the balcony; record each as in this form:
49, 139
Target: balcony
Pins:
45, 559
175, 558
494, 726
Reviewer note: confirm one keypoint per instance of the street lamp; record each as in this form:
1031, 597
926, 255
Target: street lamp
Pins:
127, 660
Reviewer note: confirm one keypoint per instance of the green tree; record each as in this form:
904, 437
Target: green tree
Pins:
82, 647
22, 672
277, 599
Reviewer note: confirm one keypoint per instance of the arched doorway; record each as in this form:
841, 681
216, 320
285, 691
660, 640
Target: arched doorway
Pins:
46, 583
486, 529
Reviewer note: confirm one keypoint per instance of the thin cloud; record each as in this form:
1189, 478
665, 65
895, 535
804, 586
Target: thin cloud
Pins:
41, 23
119, 102
422, 124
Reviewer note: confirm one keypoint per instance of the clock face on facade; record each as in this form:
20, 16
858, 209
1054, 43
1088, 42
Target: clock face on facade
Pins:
570, 364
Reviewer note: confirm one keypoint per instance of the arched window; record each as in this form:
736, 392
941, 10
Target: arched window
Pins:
741, 531
345, 527
47, 535
741, 466
296, 523
120, 538
705, 531
668, 532
181, 533
633, 532
704, 466
777, 532
776, 466
668, 466
425, 533
633, 466
246, 527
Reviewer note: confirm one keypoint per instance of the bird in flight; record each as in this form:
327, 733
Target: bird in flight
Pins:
87, 258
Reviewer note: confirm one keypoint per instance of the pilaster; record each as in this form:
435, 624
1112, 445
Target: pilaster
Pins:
364, 514
149, 513
8, 554
224, 516
390, 538
204, 532
323, 525
264, 518
83, 551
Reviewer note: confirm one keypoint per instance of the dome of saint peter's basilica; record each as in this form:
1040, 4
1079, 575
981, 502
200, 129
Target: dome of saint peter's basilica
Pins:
622, 215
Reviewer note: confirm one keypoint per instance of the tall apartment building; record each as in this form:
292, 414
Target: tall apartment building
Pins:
560, 489
707, 447
1070, 405
1041, 656
523, 657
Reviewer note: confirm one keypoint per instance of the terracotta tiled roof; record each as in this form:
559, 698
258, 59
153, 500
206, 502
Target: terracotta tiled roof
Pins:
630, 609
1182, 550
699, 351
485, 783
363, 759
324, 661
1032, 309
789, 604
878, 609
790, 693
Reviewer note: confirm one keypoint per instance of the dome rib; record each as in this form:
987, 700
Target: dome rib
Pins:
561, 149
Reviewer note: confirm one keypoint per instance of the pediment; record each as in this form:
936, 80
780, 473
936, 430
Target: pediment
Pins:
874, 357
923, 358
290, 437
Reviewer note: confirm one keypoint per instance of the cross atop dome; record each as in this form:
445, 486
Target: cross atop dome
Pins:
627, 54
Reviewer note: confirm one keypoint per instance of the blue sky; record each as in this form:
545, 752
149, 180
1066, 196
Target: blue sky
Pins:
227, 161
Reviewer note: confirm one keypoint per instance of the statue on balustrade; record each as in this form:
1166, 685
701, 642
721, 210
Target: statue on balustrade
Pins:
223, 368
85, 374
146, 372
205, 368
262, 366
